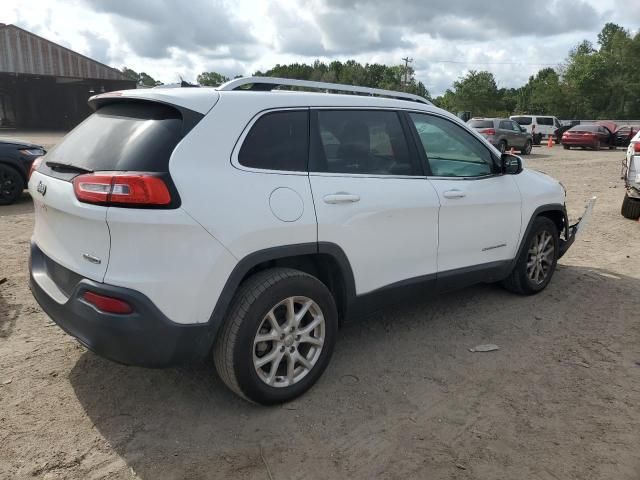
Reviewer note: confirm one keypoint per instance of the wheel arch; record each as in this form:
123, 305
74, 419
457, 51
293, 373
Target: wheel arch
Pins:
555, 212
325, 261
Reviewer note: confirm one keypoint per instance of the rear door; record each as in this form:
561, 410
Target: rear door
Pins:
371, 197
131, 137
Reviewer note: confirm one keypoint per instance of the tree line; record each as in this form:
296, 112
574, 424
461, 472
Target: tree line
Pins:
596, 81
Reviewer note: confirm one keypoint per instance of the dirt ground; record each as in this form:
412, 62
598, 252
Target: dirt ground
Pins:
402, 398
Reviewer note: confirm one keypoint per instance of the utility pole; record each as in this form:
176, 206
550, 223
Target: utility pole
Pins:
406, 61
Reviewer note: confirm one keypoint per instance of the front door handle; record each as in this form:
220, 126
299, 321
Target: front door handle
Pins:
341, 197
454, 194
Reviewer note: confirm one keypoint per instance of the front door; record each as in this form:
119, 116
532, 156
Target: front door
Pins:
480, 217
371, 197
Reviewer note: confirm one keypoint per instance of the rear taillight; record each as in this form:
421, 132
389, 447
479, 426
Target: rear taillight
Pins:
488, 131
107, 304
34, 166
636, 147
121, 189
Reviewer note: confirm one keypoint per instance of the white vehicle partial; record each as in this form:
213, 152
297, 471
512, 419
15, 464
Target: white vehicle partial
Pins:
631, 176
545, 125
245, 223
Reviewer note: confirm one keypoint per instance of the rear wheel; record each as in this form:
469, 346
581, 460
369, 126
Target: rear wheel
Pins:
11, 185
566, 147
630, 208
278, 337
537, 261
527, 148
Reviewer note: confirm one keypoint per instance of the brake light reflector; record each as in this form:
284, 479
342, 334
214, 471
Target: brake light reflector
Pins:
107, 304
121, 189
488, 131
636, 147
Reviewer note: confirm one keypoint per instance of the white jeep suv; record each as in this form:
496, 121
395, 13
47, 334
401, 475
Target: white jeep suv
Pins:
246, 222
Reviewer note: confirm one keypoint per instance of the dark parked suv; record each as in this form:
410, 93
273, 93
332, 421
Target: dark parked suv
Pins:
16, 158
503, 134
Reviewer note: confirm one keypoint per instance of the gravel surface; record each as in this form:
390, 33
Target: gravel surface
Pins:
402, 398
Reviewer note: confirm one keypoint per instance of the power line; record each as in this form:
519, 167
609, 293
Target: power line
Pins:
492, 63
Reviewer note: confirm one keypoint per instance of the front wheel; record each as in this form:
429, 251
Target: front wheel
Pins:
537, 261
566, 147
278, 337
527, 148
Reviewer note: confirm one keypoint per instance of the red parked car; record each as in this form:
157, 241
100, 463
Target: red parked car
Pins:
589, 136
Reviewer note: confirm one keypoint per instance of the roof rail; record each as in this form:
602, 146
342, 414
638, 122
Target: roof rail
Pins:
272, 83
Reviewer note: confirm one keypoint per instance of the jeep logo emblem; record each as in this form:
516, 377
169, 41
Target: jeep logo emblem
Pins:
42, 188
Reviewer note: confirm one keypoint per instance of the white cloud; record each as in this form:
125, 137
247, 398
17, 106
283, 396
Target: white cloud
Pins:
168, 39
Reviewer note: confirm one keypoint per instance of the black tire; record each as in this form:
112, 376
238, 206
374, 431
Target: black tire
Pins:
11, 185
566, 147
502, 146
630, 208
527, 148
234, 347
518, 280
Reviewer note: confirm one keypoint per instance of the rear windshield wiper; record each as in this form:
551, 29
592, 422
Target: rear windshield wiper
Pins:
65, 167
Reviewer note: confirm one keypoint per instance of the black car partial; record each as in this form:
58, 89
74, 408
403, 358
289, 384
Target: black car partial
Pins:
16, 158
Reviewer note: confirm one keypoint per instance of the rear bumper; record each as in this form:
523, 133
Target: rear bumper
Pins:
579, 143
145, 337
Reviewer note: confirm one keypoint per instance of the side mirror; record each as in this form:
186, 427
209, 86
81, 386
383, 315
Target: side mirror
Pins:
511, 164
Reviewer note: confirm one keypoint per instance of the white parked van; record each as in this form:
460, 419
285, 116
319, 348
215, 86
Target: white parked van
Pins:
546, 125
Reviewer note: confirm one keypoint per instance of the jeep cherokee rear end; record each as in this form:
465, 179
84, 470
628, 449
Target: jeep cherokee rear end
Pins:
110, 249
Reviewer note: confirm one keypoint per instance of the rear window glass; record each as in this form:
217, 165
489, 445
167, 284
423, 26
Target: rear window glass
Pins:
278, 141
480, 123
135, 136
522, 120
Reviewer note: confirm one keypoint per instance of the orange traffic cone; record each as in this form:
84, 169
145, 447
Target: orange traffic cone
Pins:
512, 151
550, 142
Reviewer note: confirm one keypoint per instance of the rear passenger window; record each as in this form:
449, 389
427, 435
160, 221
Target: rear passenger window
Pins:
369, 142
545, 121
277, 141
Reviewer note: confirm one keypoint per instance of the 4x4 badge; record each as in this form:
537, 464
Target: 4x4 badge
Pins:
42, 188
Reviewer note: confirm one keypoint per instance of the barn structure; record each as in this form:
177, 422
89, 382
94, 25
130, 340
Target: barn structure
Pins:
45, 85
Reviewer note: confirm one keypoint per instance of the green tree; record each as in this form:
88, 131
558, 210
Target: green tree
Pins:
142, 79
211, 79
477, 92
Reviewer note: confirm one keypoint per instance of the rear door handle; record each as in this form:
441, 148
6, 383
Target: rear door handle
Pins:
454, 194
341, 198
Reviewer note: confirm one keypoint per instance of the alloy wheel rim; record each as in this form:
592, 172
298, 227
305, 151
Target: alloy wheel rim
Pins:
540, 257
289, 342
528, 147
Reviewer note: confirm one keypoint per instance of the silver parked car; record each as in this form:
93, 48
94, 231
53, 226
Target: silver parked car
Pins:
503, 134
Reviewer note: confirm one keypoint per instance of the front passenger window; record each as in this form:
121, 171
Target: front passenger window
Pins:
451, 151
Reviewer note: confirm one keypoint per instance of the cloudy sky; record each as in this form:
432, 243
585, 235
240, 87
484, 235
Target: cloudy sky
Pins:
173, 38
